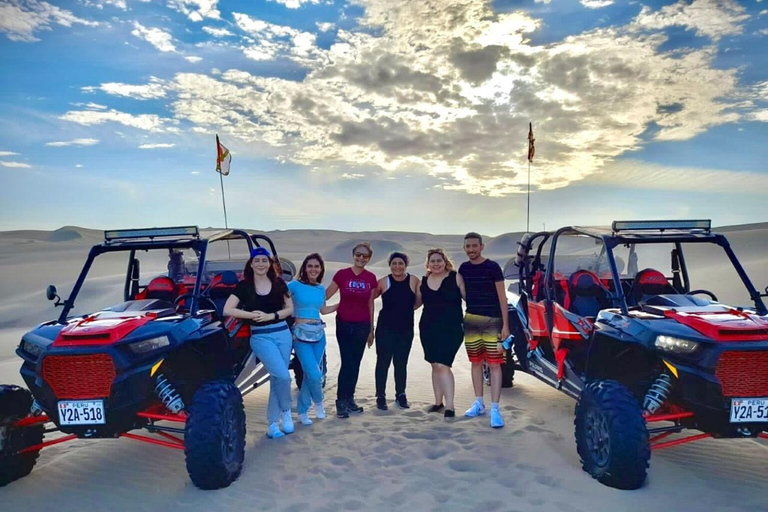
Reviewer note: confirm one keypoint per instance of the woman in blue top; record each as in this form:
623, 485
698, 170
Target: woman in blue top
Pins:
308, 295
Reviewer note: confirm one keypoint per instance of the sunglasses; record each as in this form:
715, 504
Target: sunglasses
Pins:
362, 255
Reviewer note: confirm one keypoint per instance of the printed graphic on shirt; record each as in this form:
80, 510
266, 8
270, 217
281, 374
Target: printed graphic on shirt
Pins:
358, 285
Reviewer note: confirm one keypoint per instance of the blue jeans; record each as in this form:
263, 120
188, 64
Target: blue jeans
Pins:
311, 358
274, 351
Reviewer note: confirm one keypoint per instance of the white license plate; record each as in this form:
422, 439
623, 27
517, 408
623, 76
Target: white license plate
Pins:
749, 410
81, 412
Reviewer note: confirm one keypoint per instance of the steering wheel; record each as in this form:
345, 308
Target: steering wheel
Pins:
202, 302
703, 292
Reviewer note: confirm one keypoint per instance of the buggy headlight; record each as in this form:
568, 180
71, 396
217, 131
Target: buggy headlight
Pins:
31, 348
672, 344
143, 346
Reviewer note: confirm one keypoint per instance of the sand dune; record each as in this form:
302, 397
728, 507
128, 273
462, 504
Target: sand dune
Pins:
378, 461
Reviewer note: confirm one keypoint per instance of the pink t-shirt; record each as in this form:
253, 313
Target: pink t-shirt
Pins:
355, 294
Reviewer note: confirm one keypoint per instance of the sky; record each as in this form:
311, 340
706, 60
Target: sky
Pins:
382, 114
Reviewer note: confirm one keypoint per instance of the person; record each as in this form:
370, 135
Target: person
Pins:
262, 300
308, 295
440, 326
486, 324
394, 329
354, 323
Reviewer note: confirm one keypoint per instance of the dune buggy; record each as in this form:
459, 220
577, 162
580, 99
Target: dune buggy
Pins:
613, 317
161, 357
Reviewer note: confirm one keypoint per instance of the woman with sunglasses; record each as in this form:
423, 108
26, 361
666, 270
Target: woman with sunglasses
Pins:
441, 325
308, 295
262, 300
354, 323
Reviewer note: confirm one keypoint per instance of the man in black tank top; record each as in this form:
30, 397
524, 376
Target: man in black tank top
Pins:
394, 329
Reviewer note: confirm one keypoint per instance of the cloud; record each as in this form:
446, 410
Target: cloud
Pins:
643, 175
156, 146
99, 4
20, 19
596, 4
78, 166
157, 37
196, 10
325, 27
73, 142
147, 122
352, 176
448, 90
273, 40
156, 88
193, 59
8, 153
15, 165
295, 4
218, 32
710, 18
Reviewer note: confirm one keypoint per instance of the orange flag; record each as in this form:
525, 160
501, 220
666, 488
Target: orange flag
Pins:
531, 147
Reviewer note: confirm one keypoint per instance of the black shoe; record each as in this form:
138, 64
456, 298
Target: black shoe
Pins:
402, 402
341, 409
436, 408
450, 413
352, 406
381, 403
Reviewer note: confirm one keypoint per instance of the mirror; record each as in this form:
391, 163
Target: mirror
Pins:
50, 292
288, 269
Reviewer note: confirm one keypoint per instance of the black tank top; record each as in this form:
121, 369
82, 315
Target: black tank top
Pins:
397, 304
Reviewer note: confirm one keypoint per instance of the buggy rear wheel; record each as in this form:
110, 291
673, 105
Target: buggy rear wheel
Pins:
611, 436
15, 404
214, 439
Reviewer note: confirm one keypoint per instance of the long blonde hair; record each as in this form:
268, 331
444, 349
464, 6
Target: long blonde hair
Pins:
441, 252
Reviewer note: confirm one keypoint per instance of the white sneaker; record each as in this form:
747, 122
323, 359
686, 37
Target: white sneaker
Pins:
273, 431
304, 418
320, 411
477, 409
288, 427
496, 420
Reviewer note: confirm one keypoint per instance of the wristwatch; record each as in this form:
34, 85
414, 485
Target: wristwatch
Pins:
277, 317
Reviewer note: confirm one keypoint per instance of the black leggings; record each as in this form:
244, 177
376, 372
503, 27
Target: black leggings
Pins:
392, 345
352, 338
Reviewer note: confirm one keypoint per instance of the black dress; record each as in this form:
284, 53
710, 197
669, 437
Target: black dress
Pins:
441, 328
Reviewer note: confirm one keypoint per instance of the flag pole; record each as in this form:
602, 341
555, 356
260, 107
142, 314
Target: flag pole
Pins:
224, 203
528, 215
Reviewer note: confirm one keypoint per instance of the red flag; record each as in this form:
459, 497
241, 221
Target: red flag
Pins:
223, 158
531, 147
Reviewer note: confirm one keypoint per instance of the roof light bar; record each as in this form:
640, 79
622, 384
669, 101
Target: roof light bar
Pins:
126, 234
661, 225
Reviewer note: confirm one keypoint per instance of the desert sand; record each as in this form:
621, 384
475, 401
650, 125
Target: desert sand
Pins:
393, 460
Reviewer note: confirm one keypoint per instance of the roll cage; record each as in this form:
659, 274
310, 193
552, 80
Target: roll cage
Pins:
173, 239
529, 257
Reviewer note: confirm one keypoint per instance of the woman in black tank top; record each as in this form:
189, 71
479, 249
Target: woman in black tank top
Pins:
394, 329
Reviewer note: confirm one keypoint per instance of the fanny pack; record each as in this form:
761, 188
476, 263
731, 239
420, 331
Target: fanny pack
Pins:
311, 332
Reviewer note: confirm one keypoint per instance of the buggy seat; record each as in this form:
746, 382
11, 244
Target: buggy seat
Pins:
647, 283
586, 294
222, 286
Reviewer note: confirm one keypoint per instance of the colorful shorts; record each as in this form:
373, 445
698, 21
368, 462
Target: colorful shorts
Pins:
481, 337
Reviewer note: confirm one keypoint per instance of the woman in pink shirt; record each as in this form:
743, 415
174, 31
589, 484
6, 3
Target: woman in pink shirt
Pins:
354, 323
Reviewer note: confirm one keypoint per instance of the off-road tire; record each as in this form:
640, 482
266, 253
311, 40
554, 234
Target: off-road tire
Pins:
15, 403
214, 439
611, 435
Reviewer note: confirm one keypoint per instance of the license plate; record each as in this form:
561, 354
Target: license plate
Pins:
749, 410
81, 412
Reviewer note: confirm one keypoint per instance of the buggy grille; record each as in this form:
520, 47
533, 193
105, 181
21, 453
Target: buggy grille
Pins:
743, 374
88, 376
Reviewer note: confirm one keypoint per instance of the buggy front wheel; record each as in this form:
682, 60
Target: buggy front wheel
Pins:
611, 435
214, 438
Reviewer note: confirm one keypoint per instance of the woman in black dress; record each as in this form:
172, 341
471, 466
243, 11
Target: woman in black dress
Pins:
440, 326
